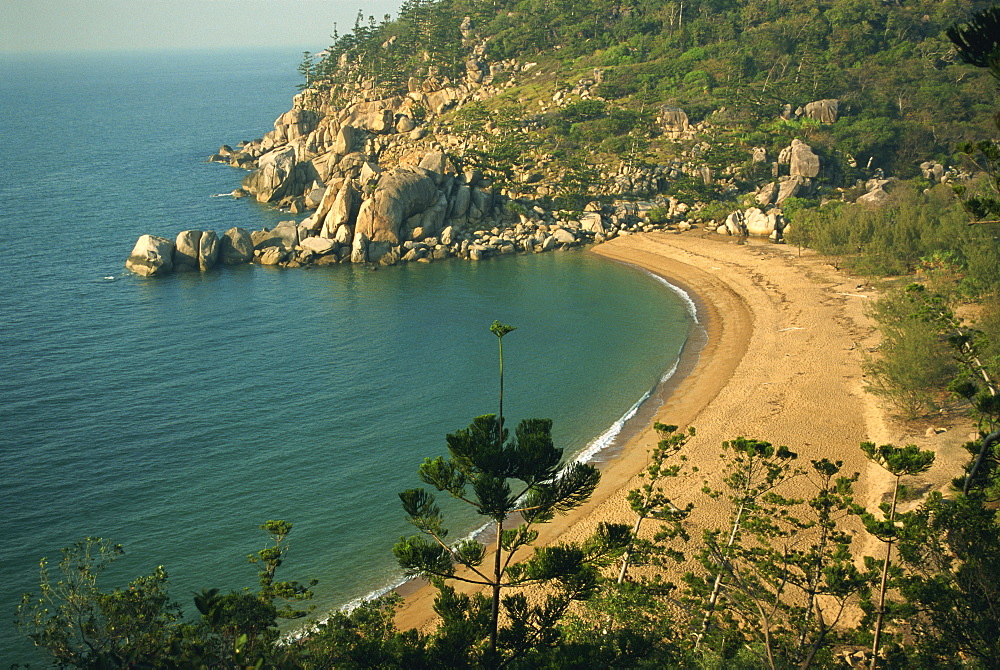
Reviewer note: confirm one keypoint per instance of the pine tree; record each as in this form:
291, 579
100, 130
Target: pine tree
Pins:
484, 461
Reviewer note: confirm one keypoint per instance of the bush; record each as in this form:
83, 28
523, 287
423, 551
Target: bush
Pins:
914, 363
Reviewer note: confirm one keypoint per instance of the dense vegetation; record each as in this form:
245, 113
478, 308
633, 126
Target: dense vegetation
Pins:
905, 96
773, 585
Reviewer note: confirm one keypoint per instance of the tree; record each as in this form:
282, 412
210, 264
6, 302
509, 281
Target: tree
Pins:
243, 625
824, 568
978, 44
951, 549
483, 461
754, 469
364, 637
899, 462
81, 625
651, 502
914, 363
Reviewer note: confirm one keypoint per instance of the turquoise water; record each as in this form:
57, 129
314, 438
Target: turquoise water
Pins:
174, 415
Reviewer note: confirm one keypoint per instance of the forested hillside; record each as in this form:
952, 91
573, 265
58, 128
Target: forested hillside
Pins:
903, 95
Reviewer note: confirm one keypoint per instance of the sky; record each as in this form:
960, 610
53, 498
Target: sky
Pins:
126, 25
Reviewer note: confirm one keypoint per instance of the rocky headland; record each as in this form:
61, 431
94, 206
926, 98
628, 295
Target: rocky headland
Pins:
385, 179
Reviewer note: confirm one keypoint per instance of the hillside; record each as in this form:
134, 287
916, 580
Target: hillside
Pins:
472, 129
737, 67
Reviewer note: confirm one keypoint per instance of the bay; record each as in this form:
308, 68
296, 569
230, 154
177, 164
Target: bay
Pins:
174, 415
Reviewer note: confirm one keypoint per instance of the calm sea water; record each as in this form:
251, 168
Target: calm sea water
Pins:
175, 415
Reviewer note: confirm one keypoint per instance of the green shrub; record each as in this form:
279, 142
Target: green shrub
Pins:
914, 363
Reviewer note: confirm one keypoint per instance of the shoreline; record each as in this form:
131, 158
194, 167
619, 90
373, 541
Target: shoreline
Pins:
619, 433
786, 334
702, 374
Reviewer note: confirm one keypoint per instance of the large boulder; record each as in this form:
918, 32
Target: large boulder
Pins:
274, 175
438, 102
460, 202
674, 122
284, 235
475, 70
272, 256
377, 116
294, 124
235, 247
319, 245
563, 236
186, 250
824, 111
767, 193
435, 161
759, 223
347, 139
399, 194
342, 212
802, 161
592, 221
151, 255
405, 124
208, 250
789, 187
735, 224
932, 171
877, 196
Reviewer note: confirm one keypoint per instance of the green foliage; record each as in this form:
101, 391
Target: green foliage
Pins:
889, 64
484, 461
927, 352
364, 637
79, 624
951, 551
899, 462
982, 201
269, 560
497, 153
754, 469
913, 365
896, 236
651, 502
625, 625
978, 41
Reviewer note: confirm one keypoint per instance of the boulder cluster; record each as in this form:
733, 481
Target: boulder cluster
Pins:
380, 190
376, 174
292, 244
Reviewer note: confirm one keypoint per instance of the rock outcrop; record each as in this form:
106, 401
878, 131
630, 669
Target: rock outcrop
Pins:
235, 247
381, 177
151, 255
801, 160
674, 123
824, 111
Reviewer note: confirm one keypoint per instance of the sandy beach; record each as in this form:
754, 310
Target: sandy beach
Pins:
782, 363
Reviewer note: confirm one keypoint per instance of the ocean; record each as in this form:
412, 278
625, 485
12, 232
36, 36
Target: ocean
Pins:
175, 415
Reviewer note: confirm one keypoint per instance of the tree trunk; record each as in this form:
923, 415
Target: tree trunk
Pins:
628, 553
885, 581
495, 612
717, 586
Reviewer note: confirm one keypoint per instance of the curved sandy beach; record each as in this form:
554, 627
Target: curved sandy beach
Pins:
782, 364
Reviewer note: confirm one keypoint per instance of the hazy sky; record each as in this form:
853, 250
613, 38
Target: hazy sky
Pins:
88, 25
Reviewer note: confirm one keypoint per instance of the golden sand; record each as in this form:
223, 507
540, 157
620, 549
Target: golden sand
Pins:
782, 364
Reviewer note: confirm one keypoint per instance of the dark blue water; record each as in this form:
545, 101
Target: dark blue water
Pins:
175, 415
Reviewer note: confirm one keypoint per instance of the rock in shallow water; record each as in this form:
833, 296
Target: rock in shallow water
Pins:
235, 247
152, 255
